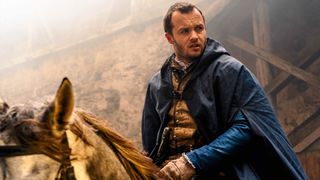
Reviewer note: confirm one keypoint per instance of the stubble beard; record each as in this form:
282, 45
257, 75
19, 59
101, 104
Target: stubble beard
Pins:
183, 56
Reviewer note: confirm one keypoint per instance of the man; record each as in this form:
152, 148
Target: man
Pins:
206, 116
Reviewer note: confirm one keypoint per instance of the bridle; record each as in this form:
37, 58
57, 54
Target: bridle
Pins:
66, 170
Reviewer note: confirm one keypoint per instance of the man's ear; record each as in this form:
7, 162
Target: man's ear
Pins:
169, 38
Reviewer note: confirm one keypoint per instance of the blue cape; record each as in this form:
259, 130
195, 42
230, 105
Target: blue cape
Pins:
219, 87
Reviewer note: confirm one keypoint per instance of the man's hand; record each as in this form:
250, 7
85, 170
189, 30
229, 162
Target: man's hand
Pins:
178, 169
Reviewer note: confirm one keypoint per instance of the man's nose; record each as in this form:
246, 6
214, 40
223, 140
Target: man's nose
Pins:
194, 35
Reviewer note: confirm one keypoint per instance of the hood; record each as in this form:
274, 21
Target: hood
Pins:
211, 53
212, 48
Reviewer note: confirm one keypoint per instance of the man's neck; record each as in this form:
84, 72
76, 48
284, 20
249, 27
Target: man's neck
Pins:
183, 63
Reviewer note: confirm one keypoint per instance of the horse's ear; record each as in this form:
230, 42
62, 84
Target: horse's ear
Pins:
62, 108
3, 106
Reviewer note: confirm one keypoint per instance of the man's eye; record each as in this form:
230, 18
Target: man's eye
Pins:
184, 31
199, 28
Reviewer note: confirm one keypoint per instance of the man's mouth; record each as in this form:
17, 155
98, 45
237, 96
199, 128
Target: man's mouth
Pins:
194, 45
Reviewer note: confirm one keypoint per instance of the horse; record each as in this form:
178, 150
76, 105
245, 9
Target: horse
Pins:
58, 141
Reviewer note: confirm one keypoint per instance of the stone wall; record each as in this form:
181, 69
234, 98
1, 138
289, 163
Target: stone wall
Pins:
109, 75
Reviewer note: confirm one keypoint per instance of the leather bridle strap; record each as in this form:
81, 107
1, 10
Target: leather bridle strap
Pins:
66, 170
10, 151
14, 150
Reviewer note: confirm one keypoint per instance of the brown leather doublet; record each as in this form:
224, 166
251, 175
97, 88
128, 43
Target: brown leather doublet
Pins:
181, 123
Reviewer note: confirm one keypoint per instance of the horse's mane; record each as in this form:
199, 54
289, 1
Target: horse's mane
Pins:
136, 164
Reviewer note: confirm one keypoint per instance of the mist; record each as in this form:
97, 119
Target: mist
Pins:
33, 27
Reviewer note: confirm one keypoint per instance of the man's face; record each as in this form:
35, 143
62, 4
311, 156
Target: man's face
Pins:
188, 35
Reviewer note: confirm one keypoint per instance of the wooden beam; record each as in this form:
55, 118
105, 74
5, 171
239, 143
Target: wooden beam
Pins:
261, 38
303, 129
215, 8
282, 78
231, 18
276, 61
311, 138
145, 13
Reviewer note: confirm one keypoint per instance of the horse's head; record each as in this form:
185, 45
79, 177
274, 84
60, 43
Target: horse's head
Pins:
56, 116
34, 129
50, 129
